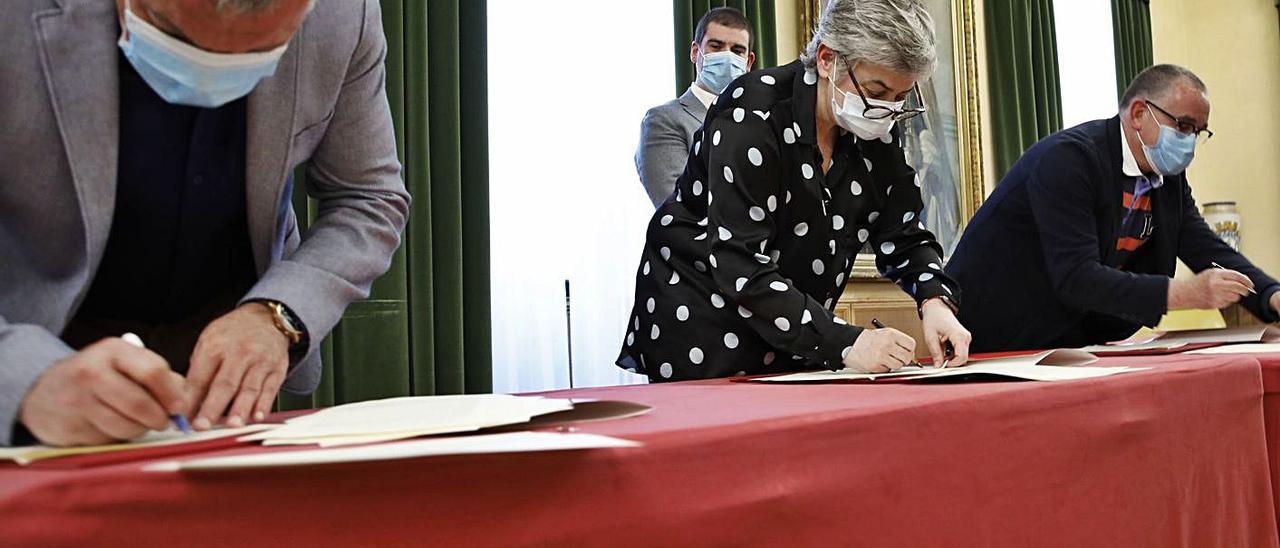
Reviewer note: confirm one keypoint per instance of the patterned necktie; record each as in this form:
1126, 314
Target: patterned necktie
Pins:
1140, 189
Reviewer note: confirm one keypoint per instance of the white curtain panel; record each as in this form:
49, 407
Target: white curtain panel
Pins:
567, 91
1086, 60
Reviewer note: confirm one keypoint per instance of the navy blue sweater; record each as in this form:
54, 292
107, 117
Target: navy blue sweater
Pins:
1038, 262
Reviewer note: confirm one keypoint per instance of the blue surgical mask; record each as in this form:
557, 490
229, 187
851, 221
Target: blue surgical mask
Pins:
1172, 152
186, 75
719, 69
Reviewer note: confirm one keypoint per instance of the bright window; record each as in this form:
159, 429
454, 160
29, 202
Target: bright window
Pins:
569, 82
1086, 60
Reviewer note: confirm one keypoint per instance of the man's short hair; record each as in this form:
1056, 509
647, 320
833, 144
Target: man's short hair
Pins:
1157, 80
728, 17
249, 7
244, 6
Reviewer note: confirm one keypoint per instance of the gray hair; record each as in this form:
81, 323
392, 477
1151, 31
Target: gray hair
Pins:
897, 34
249, 6
1156, 81
243, 6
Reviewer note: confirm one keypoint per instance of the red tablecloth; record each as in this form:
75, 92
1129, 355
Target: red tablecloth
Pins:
1271, 409
1171, 457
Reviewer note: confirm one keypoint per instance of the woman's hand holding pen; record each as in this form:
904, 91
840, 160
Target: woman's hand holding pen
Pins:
880, 351
948, 341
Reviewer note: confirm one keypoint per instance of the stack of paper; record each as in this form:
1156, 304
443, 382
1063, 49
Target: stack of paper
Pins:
1229, 335
1179, 341
1151, 347
1052, 365
1256, 348
515, 442
410, 417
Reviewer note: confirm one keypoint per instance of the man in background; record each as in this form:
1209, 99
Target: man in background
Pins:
1077, 245
720, 52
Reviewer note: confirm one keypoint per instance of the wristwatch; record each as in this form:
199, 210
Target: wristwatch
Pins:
286, 323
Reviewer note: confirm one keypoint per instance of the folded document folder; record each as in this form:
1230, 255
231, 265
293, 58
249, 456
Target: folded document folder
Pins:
1051, 365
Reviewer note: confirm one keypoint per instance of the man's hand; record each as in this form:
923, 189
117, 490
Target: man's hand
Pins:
109, 391
240, 360
941, 327
1215, 288
880, 351
1275, 302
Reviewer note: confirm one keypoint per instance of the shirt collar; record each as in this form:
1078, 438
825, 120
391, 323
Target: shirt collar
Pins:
703, 95
1130, 164
804, 99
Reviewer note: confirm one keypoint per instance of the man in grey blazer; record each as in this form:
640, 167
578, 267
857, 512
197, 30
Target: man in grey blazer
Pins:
720, 52
146, 152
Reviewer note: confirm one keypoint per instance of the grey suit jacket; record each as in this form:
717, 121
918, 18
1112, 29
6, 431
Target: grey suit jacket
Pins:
665, 137
325, 107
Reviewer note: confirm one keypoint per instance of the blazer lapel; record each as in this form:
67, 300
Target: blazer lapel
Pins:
1113, 193
79, 61
1166, 212
269, 141
693, 106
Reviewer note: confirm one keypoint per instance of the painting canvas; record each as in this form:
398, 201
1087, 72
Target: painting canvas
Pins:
944, 144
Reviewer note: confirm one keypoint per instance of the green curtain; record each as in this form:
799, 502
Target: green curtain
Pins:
1022, 54
1131, 28
764, 35
425, 328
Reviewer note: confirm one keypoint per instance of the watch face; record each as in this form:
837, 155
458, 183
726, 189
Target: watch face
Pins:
285, 322
286, 317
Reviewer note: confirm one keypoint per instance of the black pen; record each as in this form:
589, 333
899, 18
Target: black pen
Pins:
880, 325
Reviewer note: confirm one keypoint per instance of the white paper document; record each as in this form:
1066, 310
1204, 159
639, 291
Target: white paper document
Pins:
1119, 349
1052, 365
514, 442
1217, 335
33, 453
409, 417
1230, 335
1258, 348
1172, 342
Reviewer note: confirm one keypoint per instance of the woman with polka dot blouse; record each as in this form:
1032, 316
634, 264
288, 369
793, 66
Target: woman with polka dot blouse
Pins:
796, 169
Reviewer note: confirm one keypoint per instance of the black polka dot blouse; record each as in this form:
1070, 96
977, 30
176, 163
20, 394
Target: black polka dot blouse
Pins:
744, 262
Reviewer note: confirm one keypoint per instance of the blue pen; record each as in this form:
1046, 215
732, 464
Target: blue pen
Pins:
179, 421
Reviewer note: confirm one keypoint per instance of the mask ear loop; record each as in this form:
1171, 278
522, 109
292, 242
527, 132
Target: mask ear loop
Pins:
124, 26
844, 96
1139, 132
1156, 182
1145, 146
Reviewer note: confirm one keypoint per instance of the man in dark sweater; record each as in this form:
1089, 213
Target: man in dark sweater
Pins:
1077, 245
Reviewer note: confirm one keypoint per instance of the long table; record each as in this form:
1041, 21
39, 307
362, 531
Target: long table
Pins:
1175, 456
1271, 411
1270, 364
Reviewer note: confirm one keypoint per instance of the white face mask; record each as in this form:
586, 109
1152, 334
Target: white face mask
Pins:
850, 113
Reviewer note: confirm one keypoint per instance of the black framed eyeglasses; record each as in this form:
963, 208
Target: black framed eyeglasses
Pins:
873, 112
1183, 125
